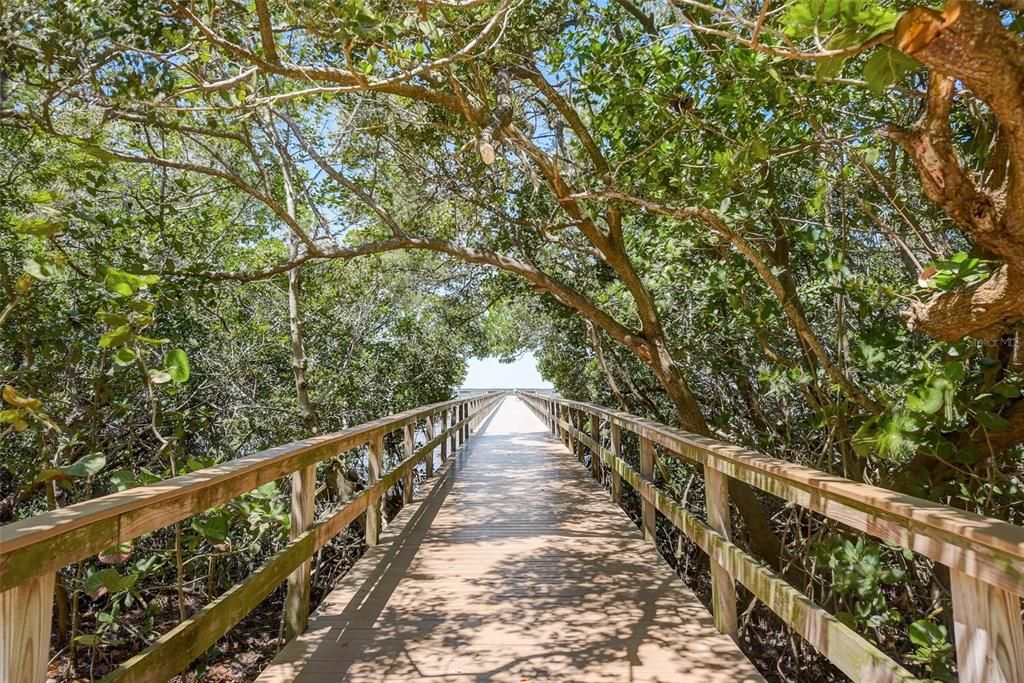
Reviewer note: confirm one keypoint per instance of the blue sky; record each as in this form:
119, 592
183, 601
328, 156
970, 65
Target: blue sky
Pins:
489, 373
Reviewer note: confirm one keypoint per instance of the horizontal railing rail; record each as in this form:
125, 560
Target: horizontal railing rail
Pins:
33, 549
985, 556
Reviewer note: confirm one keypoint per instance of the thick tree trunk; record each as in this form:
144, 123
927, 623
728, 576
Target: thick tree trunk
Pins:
760, 535
310, 419
970, 44
307, 411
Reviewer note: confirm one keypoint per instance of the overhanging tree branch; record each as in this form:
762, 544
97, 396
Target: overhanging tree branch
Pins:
791, 308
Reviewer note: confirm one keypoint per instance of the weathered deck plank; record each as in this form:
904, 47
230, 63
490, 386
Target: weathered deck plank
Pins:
518, 568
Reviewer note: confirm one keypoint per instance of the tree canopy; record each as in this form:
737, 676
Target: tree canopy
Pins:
797, 226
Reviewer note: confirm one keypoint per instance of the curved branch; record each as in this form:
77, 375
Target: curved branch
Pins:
929, 145
970, 43
346, 80
791, 307
560, 291
232, 178
985, 310
340, 178
788, 53
568, 112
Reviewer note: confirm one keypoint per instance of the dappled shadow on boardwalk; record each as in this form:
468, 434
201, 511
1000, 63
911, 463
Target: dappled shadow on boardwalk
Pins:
516, 568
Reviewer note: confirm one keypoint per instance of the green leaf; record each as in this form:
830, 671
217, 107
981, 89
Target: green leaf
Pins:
42, 268
891, 436
111, 319
86, 466
140, 306
885, 67
122, 480
89, 639
124, 356
991, 420
968, 455
98, 583
158, 376
924, 633
126, 284
847, 618
115, 337
38, 226
176, 365
42, 197
108, 581
928, 400
214, 528
1006, 390
829, 68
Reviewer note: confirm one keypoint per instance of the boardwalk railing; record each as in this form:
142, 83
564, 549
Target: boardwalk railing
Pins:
985, 556
33, 549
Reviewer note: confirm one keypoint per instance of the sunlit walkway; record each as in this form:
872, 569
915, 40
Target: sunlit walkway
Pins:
517, 568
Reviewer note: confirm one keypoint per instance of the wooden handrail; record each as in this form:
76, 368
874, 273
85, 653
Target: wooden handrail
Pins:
31, 550
985, 555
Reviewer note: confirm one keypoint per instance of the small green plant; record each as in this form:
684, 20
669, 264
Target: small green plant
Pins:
932, 648
959, 270
859, 573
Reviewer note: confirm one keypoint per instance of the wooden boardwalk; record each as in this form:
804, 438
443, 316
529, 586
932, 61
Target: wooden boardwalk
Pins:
513, 566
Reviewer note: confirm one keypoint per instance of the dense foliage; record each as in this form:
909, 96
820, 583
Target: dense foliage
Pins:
797, 227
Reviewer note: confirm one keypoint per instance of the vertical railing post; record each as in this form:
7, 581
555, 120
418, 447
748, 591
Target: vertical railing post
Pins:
723, 587
562, 415
988, 632
465, 427
373, 508
410, 446
595, 456
454, 411
296, 602
576, 424
567, 427
443, 427
616, 448
430, 455
647, 470
26, 614
457, 434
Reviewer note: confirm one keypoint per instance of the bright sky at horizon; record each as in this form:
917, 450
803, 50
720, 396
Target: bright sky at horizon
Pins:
490, 373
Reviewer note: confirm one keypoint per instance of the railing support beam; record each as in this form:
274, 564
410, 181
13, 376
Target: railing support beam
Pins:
430, 456
595, 455
25, 617
647, 511
443, 426
409, 448
296, 603
457, 434
373, 508
616, 447
988, 630
723, 587
577, 423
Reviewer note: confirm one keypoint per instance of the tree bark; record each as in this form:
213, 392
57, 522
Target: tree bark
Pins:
969, 43
307, 411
